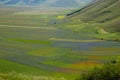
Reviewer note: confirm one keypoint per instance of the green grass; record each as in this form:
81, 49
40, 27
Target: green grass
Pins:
12, 70
18, 76
108, 36
94, 30
48, 51
28, 41
24, 20
8, 66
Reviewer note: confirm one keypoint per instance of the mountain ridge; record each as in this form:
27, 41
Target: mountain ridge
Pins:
51, 3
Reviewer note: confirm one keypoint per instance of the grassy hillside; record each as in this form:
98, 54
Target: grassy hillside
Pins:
105, 14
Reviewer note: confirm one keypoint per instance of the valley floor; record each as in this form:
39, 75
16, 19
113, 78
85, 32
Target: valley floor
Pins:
31, 45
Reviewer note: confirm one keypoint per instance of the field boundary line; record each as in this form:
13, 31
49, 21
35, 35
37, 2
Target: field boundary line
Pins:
16, 26
73, 40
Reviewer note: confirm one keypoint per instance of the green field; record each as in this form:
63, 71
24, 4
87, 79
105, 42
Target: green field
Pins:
32, 46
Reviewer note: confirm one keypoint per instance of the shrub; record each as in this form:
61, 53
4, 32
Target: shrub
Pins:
109, 71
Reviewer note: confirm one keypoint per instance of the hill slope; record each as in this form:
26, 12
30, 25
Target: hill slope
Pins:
100, 19
103, 11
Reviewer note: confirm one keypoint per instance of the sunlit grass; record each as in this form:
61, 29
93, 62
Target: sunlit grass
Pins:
19, 76
60, 17
28, 41
46, 52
